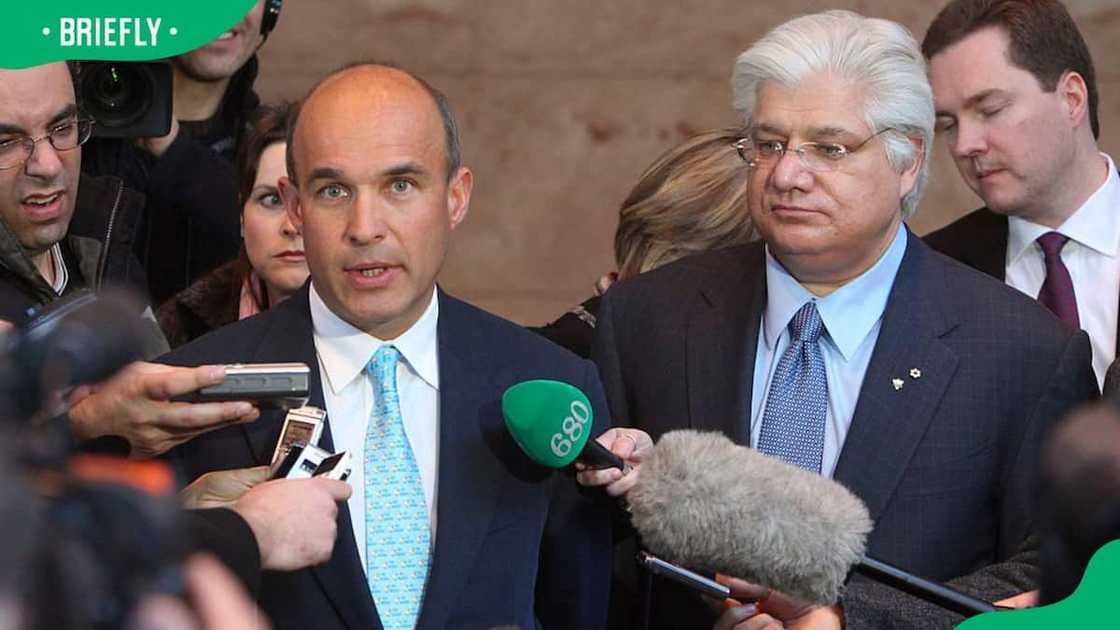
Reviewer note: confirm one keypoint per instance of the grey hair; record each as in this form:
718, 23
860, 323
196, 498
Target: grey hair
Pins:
878, 54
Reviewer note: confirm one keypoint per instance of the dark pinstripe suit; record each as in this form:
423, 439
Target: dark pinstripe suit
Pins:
944, 464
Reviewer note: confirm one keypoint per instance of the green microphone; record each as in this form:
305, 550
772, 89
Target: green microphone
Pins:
551, 421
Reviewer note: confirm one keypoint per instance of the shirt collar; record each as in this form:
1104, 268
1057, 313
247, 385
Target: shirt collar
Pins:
1094, 225
849, 313
345, 350
61, 275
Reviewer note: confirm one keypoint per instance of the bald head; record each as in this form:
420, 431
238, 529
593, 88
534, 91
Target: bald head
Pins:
360, 88
376, 194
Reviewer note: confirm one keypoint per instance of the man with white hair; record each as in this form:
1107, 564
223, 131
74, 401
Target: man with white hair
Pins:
840, 342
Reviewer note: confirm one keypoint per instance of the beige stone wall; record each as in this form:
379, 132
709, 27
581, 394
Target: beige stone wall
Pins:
564, 102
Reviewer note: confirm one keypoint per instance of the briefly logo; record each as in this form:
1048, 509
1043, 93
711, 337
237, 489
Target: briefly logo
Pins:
41, 32
84, 32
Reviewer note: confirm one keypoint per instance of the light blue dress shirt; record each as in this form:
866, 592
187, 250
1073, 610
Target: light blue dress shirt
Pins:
852, 316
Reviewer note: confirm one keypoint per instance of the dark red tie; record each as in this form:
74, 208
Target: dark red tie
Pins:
1057, 290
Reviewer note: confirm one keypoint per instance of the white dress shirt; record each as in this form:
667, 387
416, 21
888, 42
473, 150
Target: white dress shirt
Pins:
343, 352
1091, 257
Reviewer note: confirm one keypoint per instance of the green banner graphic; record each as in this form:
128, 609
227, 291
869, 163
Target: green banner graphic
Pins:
42, 31
1092, 605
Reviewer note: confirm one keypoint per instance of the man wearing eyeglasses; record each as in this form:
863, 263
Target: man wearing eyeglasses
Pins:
40, 132
844, 345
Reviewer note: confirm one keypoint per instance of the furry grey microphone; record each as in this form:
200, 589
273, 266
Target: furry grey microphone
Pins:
705, 503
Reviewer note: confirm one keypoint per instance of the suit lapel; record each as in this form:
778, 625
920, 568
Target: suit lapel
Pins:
721, 338
908, 374
470, 473
290, 339
342, 578
991, 238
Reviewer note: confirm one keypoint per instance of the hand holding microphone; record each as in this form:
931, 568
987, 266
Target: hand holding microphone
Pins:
631, 445
551, 421
767, 609
759, 518
703, 502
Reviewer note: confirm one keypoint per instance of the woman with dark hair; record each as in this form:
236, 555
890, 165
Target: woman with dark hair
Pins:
271, 264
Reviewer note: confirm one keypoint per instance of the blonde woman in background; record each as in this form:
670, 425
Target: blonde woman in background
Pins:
691, 199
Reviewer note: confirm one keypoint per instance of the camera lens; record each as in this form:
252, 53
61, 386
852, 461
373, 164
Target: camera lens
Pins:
117, 94
111, 90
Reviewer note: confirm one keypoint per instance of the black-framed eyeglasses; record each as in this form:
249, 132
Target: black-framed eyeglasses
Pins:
817, 156
15, 150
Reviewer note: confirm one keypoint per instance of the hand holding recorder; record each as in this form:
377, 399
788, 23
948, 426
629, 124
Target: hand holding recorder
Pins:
157, 407
136, 404
297, 454
293, 520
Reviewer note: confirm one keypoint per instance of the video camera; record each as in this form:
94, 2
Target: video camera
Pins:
89, 537
80, 338
134, 99
126, 99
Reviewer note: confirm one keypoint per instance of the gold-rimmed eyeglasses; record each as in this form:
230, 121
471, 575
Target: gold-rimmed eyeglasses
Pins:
817, 156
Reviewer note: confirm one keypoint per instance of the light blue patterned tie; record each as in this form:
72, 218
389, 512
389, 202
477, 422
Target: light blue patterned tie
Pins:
793, 421
398, 537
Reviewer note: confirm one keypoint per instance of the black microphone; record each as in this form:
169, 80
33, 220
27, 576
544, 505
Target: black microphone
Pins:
703, 502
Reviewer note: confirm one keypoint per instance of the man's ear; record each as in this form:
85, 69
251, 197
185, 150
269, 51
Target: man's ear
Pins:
910, 174
290, 194
1074, 94
459, 195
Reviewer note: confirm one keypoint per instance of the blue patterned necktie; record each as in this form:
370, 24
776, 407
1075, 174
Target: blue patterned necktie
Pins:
398, 537
793, 421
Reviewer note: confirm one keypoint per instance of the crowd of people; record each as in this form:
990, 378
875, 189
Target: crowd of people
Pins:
767, 288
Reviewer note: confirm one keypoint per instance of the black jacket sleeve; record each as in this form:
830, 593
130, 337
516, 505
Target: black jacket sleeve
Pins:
225, 534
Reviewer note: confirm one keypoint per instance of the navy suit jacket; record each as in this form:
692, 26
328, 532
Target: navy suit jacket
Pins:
517, 544
944, 463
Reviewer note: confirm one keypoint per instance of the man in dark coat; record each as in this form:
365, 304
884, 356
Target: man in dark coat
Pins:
450, 524
1016, 100
41, 190
841, 342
